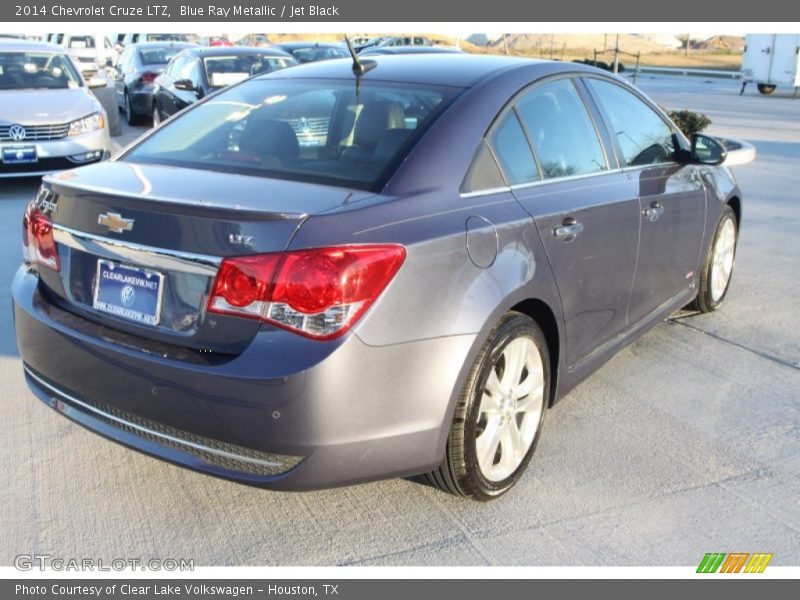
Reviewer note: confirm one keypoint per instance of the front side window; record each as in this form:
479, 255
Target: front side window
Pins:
513, 151
643, 136
325, 131
222, 71
561, 130
37, 70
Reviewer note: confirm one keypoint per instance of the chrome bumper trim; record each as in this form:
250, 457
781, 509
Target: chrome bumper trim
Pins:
152, 433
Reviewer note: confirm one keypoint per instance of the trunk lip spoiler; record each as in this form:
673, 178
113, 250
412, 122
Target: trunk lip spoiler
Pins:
139, 254
55, 182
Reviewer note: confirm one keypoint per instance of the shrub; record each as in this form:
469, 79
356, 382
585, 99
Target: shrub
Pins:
689, 122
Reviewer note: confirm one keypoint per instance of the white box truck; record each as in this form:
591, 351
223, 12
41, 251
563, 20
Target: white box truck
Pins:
771, 60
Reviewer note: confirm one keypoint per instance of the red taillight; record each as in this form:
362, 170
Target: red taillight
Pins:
39, 245
319, 293
148, 77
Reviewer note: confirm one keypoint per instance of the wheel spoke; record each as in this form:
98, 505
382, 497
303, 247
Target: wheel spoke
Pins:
487, 442
511, 451
490, 405
493, 384
515, 354
532, 401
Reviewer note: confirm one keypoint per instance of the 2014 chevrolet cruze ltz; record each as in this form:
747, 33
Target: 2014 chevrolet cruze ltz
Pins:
343, 272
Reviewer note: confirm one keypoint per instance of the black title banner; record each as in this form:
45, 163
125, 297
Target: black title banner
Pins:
394, 11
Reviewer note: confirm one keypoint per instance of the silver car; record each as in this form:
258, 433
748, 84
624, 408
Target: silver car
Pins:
49, 119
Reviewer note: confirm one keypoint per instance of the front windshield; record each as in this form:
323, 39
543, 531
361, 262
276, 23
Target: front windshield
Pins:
322, 131
37, 70
222, 71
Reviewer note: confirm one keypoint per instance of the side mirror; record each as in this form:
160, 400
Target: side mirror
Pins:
707, 151
187, 85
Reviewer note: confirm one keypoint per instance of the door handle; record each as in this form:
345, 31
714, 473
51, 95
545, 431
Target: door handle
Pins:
652, 212
568, 230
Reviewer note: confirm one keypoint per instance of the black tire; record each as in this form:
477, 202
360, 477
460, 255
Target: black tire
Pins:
705, 301
460, 473
766, 88
131, 117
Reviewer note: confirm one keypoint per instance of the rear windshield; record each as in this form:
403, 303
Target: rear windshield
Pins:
222, 71
315, 53
37, 70
167, 37
158, 56
322, 131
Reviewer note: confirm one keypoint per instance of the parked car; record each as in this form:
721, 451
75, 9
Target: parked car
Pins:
81, 47
405, 40
313, 51
49, 119
379, 50
470, 238
255, 40
215, 40
196, 72
135, 74
136, 38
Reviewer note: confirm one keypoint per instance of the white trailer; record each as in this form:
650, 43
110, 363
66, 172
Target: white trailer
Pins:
771, 60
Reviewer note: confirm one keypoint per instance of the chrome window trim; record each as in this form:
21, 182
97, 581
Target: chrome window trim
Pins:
140, 255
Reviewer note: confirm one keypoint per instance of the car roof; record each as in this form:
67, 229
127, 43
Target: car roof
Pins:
17, 45
457, 70
309, 44
418, 49
235, 50
162, 44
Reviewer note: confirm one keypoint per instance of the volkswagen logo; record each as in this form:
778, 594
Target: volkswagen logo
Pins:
17, 133
127, 294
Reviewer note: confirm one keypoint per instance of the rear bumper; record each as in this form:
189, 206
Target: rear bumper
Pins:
288, 413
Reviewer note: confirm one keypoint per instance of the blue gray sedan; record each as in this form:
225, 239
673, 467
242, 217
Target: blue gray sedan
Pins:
344, 272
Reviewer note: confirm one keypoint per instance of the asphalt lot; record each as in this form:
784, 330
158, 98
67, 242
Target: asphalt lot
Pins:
687, 442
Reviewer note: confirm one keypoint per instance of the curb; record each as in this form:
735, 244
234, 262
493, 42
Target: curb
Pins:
739, 151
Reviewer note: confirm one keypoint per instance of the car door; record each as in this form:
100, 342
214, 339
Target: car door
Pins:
586, 211
119, 73
672, 197
165, 92
190, 70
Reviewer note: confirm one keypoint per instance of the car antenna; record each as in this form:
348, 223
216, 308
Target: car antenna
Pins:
359, 67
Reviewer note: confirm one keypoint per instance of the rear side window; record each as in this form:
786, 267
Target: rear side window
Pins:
484, 174
513, 151
643, 136
561, 130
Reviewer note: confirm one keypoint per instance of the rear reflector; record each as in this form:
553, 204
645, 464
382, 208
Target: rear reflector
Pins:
318, 293
148, 77
38, 244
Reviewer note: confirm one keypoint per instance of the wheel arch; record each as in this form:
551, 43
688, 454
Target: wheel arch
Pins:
544, 317
736, 204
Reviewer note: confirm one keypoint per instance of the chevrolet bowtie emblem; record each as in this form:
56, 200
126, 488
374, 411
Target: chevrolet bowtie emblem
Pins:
115, 222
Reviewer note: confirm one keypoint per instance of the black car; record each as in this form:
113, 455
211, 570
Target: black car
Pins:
313, 51
135, 74
196, 72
